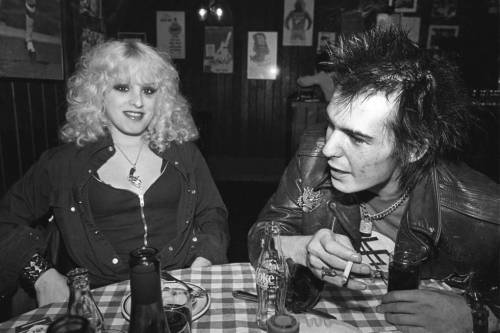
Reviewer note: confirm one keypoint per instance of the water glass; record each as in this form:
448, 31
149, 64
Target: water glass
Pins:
404, 269
177, 304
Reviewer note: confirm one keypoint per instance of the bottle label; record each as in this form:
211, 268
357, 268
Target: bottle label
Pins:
268, 274
266, 280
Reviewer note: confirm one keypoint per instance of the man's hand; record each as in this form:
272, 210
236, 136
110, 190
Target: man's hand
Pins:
329, 250
201, 262
436, 311
325, 249
51, 287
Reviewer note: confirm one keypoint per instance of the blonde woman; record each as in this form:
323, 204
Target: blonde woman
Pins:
128, 175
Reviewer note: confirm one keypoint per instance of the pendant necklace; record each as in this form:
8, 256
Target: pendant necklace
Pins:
366, 224
136, 181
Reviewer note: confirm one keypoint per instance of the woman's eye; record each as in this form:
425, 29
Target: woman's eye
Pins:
121, 87
149, 90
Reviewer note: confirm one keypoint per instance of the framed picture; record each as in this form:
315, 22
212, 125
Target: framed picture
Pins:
298, 19
171, 33
442, 36
92, 8
262, 55
31, 44
132, 36
325, 38
218, 56
405, 6
444, 9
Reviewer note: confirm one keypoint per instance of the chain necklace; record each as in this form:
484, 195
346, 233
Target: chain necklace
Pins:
136, 181
366, 224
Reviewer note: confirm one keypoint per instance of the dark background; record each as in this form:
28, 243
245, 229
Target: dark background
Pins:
244, 124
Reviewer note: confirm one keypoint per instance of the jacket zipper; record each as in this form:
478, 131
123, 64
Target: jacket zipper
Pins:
143, 218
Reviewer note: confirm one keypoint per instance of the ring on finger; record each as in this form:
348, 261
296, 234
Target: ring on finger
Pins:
326, 271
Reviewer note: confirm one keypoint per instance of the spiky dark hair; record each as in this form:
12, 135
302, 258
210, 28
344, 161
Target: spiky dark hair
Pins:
433, 103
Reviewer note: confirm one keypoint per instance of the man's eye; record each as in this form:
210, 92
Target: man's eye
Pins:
121, 87
358, 140
149, 90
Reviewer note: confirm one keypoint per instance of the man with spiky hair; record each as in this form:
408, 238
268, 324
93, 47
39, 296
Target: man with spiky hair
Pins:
387, 176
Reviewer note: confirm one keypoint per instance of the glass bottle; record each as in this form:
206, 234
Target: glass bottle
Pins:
81, 302
146, 315
272, 276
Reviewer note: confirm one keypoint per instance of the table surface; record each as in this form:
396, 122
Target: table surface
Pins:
227, 314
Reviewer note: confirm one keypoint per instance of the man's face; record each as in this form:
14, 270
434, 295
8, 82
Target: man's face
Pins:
359, 145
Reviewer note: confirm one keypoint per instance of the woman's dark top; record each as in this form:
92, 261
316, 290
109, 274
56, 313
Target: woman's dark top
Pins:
117, 212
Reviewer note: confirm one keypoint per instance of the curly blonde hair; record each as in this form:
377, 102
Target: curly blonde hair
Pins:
96, 72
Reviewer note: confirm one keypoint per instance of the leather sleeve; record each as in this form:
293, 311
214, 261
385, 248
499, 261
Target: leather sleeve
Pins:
20, 209
282, 208
211, 227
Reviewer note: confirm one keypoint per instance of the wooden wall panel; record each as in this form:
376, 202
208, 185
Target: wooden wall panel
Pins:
238, 118
31, 113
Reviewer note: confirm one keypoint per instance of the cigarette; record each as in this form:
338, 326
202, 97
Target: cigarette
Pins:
347, 272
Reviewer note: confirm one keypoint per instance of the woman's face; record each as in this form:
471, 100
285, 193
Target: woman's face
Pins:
130, 105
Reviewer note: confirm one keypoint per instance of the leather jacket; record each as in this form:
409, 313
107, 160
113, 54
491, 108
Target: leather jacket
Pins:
57, 185
453, 213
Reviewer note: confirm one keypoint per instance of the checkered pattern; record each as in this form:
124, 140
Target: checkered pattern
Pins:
227, 314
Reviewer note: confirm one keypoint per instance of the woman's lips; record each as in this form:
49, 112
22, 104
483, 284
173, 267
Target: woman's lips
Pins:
134, 115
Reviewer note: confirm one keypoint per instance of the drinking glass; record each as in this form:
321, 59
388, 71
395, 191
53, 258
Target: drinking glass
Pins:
404, 269
177, 304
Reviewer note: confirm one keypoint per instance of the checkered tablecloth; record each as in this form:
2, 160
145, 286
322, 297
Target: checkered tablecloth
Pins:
225, 313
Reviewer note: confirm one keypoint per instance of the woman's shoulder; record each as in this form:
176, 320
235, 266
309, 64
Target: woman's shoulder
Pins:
62, 151
187, 148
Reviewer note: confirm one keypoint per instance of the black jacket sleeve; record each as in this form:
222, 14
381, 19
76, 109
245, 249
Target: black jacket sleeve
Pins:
22, 230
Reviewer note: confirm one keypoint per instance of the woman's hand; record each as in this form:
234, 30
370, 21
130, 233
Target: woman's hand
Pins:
327, 250
51, 287
426, 310
201, 262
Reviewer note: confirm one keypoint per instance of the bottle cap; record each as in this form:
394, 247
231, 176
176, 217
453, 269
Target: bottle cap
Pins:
282, 323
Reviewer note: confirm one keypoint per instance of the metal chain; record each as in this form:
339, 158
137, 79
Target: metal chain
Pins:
388, 211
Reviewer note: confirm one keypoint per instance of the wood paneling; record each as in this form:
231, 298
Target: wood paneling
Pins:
31, 112
239, 119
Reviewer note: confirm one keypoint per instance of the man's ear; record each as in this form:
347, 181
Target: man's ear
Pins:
418, 152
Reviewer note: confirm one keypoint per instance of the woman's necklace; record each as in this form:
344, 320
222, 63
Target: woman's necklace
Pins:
366, 224
136, 181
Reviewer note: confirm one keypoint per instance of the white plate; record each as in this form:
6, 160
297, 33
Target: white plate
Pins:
200, 304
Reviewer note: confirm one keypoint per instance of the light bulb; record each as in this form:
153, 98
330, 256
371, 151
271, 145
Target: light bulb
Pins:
219, 12
202, 12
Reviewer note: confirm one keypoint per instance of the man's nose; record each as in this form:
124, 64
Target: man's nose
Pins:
332, 147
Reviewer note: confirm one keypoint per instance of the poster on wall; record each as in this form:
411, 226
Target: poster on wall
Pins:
442, 37
171, 33
30, 35
262, 55
325, 38
90, 17
412, 25
298, 19
218, 56
405, 6
385, 20
444, 9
